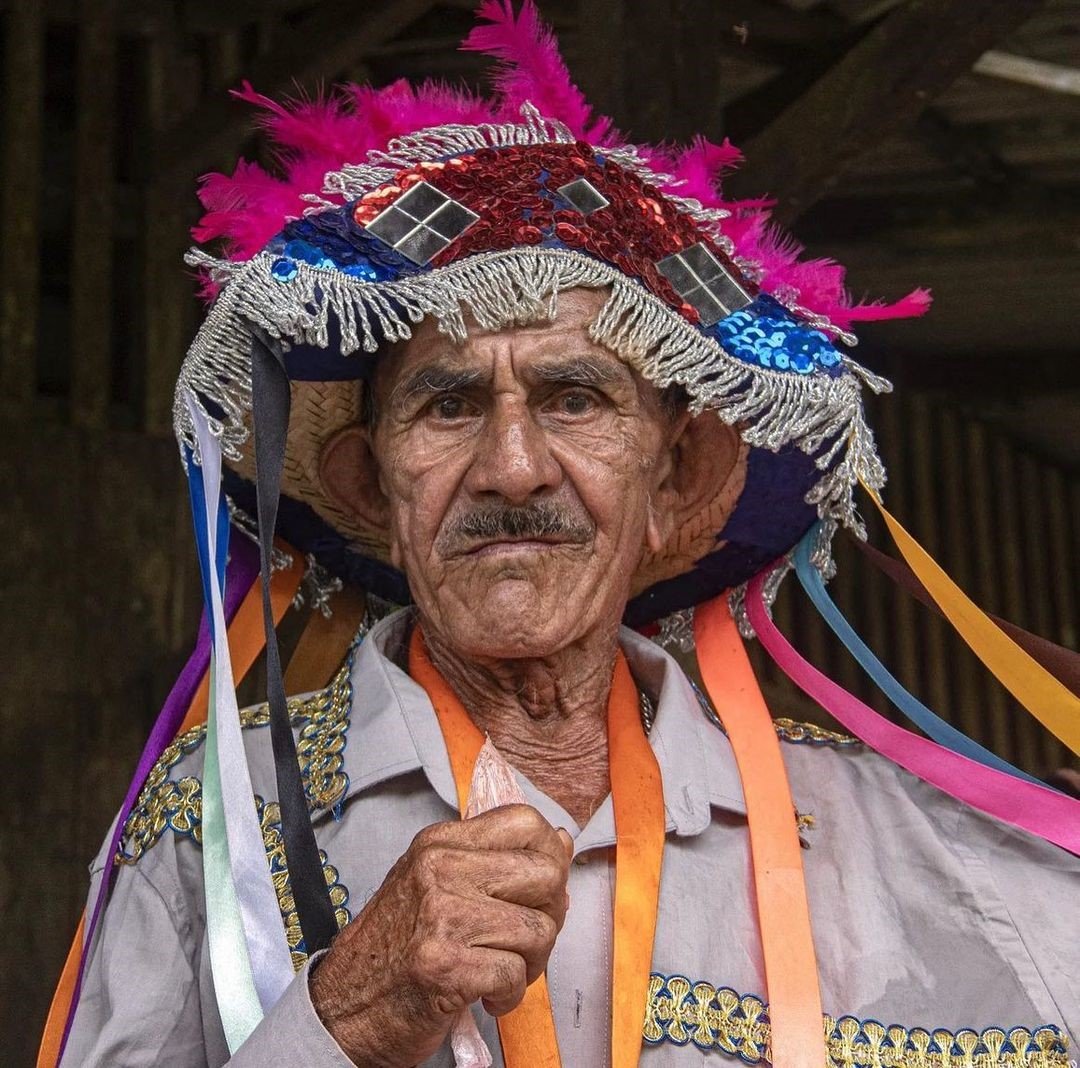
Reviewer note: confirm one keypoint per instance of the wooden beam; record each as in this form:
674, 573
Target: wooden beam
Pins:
319, 47
983, 375
166, 311
92, 239
24, 66
878, 88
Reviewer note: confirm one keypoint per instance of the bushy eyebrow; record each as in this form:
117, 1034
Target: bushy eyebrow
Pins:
438, 378
433, 379
579, 370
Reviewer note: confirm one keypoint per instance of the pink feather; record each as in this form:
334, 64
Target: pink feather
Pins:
530, 68
701, 166
916, 303
309, 137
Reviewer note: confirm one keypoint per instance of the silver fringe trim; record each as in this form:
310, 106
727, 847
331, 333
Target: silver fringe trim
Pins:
677, 631
771, 587
317, 587
519, 286
246, 525
439, 142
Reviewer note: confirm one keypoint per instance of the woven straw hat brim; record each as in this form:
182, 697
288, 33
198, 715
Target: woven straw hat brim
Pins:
321, 409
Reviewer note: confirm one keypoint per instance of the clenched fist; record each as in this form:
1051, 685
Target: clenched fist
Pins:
470, 912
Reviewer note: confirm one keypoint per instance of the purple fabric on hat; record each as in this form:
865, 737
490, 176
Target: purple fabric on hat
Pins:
242, 571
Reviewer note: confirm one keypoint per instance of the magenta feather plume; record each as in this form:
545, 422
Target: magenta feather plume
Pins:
531, 68
310, 137
701, 166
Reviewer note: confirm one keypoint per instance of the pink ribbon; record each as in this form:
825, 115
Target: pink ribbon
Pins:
1030, 806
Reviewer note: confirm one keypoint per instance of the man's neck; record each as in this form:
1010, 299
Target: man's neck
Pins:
547, 716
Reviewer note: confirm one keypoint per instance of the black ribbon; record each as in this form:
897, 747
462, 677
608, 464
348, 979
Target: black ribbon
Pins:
270, 415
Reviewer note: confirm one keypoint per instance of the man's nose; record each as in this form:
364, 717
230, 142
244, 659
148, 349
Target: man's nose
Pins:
512, 455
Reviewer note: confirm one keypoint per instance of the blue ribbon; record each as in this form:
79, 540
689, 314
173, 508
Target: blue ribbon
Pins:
197, 494
928, 722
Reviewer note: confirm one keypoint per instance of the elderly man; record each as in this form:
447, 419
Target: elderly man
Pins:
536, 449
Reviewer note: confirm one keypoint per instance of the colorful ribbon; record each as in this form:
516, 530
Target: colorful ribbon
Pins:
243, 608
934, 726
248, 951
787, 941
1031, 806
1062, 663
1051, 703
242, 570
527, 1034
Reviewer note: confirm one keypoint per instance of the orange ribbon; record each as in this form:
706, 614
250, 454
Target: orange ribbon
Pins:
247, 635
49, 1051
527, 1033
783, 910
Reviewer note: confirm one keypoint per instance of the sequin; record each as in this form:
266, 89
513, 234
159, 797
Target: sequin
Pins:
517, 196
283, 270
764, 333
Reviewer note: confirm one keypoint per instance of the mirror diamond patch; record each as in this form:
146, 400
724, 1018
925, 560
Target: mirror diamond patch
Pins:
704, 283
421, 222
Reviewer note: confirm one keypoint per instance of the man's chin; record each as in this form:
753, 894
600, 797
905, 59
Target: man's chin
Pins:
511, 616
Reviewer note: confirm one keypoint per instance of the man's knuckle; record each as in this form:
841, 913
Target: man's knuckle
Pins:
431, 863
431, 911
509, 978
429, 963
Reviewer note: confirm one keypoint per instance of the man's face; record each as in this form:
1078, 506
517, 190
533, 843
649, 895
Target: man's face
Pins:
521, 470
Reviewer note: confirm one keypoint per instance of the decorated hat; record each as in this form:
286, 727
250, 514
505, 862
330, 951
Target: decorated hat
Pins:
398, 204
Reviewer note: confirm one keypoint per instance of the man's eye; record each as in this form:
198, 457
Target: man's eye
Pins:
449, 407
576, 402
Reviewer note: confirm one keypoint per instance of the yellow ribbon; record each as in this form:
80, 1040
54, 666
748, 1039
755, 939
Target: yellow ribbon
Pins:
1047, 699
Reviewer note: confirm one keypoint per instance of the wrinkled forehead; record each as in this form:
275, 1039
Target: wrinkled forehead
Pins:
545, 348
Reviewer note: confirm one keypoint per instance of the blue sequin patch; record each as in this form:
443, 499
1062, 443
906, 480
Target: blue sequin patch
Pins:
764, 333
332, 241
283, 270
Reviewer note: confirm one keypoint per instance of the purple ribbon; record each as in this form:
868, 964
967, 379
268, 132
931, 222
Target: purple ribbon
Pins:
242, 571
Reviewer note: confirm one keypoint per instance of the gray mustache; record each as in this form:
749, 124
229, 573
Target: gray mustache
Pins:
540, 520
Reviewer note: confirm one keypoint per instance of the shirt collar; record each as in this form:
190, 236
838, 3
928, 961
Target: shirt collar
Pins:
393, 731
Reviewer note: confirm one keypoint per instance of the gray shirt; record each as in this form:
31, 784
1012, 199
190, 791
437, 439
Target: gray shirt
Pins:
936, 927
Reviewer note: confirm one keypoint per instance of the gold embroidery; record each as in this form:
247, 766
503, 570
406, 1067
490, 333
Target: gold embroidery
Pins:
164, 803
717, 1018
321, 744
270, 821
788, 730
791, 730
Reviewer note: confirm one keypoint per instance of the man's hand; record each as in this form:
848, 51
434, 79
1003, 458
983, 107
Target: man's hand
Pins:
469, 913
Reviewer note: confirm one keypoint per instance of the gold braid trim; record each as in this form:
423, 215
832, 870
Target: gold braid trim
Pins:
270, 821
680, 1012
791, 730
165, 803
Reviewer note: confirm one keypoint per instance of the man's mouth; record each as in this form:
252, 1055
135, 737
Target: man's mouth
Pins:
510, 546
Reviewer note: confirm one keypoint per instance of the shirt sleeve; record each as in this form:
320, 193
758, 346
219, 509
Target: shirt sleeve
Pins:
141, 1000
292, 1033
139, 1004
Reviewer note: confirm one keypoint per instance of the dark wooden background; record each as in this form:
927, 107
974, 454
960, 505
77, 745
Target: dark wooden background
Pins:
894, 134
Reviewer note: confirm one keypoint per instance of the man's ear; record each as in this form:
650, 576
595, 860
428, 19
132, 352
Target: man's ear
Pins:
704, 467
350, 476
